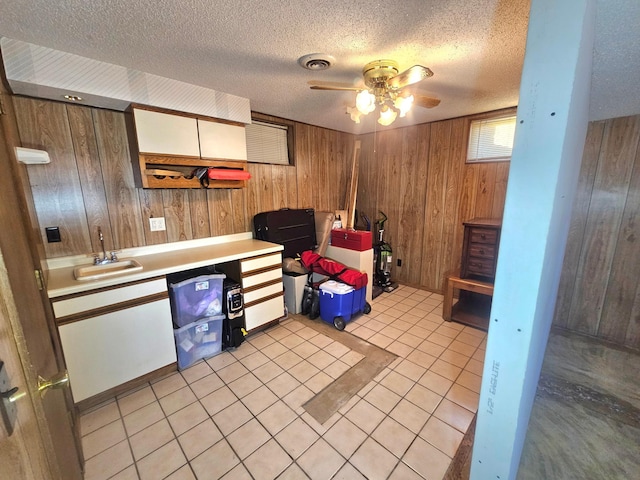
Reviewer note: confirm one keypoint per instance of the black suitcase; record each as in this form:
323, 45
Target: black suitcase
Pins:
294, 229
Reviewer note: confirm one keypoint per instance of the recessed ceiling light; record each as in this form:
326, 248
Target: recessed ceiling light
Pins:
316, 61
73, 98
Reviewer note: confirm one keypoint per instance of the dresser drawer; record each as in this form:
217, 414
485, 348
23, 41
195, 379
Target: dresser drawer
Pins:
264, 312
253, 295
262, 277
77, 303
483, 235
258, 263
480, 266
482, 250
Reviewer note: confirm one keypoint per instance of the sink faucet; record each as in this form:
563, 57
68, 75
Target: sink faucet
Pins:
101, 261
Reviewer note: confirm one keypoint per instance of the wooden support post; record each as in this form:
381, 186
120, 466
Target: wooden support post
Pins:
352, 192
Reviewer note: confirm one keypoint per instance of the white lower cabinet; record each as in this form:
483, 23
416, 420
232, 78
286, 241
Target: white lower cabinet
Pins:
119, 334
107, 350
111, 336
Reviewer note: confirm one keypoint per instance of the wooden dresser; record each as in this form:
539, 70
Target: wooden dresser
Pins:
477, 273
480, 249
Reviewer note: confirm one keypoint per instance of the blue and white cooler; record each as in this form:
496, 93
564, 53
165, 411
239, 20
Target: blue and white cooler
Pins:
339, 302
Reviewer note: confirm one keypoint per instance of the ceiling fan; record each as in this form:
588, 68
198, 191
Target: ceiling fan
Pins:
384, 86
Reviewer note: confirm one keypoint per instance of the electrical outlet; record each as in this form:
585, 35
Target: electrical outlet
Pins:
157, 224
399, 262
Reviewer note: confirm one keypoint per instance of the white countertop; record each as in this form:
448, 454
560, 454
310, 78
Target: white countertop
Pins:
157, 260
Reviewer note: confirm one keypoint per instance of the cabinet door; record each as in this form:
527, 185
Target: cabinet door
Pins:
108, 350
223, 141
162, 133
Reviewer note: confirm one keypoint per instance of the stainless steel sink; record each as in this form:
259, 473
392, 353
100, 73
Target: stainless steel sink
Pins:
96, 272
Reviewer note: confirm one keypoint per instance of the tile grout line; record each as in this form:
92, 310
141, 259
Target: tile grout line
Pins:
361, 394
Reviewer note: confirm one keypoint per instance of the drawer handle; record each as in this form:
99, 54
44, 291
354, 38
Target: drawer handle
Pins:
483, 236
482, 251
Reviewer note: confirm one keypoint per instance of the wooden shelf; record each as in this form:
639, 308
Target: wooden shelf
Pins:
186, 166
474, 304
472, 309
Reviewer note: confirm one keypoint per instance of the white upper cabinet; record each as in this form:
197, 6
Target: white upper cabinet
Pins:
221, 140
166, 134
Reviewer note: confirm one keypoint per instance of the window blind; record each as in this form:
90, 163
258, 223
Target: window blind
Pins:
267, 143
491, 140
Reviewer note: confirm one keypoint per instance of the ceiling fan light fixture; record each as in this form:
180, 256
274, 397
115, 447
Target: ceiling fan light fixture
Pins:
365, 102
354, 113
384, 88
403, 104
316, 61
387, 115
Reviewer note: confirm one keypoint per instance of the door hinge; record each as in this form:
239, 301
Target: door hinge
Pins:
39, 281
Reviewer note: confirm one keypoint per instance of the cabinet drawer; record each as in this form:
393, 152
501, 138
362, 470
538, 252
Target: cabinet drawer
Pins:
483, 235
104, 298
264, 312
262, 292
480, 266
260, 262
482, 250
263, 277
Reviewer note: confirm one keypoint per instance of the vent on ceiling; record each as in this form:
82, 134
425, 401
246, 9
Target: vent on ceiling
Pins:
316, 61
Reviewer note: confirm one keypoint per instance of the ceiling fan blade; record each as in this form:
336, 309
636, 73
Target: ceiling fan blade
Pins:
329, 87
424, 101
317, 85
410, 76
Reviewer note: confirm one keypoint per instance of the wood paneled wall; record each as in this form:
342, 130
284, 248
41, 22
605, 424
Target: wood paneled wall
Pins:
89, 183
599, 292
418, 177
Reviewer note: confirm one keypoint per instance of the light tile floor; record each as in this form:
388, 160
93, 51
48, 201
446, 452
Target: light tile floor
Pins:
238, 415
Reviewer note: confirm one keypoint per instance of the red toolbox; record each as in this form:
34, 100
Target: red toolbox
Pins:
359, 240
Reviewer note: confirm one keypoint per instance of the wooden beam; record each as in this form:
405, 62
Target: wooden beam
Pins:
352, 192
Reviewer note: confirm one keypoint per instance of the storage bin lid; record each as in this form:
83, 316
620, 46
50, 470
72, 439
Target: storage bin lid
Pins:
197, 279
201, 321
336, 287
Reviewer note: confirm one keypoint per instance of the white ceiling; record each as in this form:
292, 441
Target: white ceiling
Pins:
250, 49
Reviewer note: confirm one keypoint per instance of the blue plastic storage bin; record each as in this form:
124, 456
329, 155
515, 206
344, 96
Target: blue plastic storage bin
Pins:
196, 298
201, 339
339, 302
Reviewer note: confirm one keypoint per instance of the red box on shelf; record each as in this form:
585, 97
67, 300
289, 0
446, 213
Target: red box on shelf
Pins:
359, 240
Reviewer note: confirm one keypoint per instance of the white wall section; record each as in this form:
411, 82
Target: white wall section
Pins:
550, 136
46, 73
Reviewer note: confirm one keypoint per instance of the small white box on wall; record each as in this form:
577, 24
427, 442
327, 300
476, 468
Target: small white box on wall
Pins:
31, 156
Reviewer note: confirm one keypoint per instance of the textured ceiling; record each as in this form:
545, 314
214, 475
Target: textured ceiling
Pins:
250, 49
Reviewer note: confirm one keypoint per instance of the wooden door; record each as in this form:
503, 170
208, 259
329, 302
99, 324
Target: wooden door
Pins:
48, 429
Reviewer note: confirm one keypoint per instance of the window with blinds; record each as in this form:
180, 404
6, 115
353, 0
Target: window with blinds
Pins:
267, 143
491, 140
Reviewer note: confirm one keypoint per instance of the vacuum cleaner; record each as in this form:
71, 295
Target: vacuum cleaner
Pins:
382, 260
